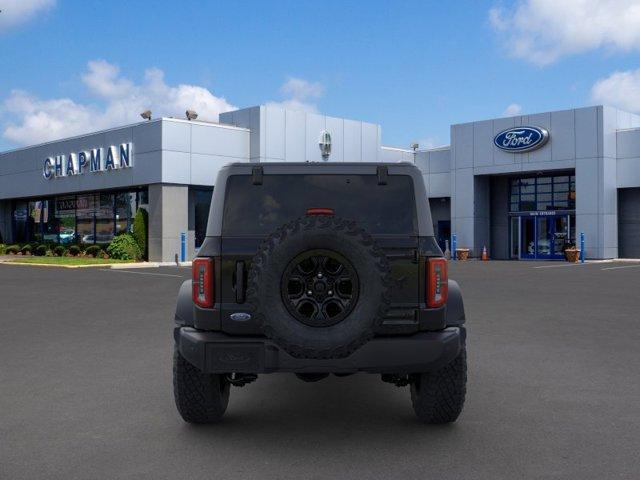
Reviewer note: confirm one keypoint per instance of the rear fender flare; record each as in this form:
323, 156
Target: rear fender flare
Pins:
184, 307
455, 306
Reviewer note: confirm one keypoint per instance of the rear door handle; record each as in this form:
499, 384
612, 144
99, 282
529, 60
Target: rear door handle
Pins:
239, 282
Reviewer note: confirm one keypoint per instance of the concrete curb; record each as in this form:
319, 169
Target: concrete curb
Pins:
114, 266
28, 264
150, 265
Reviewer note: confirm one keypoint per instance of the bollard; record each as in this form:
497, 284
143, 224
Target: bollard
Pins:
582, 255
454, 247
183, 247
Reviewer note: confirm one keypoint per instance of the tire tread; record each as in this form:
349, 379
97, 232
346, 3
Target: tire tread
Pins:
199, 397
438, 397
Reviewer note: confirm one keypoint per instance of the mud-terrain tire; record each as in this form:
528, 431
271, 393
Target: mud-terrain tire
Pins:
200, 397
366, 262
438, 397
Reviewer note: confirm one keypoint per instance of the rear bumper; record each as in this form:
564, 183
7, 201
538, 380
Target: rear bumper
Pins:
215, 352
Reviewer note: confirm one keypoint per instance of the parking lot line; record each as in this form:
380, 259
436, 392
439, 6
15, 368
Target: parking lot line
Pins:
561, 265
142, 273
622, 266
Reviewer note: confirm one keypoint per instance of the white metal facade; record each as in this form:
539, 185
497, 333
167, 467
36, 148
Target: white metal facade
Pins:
600, 144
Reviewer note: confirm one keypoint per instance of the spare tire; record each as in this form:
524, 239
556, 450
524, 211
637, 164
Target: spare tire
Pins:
318, 285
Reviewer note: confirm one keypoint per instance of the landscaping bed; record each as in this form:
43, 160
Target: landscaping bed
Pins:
66, 261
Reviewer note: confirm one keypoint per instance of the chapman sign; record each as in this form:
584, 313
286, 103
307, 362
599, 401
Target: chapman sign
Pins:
521, 139
94, 160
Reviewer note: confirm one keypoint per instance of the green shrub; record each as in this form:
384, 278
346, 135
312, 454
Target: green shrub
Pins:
59, 251
94, 250
12, 249
26, 250
40, 250
74, 250
140, 228
3, 248
124, 247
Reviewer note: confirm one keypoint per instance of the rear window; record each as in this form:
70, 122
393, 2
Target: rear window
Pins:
259, 209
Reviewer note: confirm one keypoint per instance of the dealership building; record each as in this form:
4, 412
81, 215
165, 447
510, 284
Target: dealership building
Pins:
522, 186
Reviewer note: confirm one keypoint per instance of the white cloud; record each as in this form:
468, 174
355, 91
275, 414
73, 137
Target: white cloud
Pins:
620, 89
512, 109
15, 12
302, 89
103, 79
543, 31
43, 120
118, 100
300, 95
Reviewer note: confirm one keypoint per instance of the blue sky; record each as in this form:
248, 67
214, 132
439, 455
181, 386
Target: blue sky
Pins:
415, 67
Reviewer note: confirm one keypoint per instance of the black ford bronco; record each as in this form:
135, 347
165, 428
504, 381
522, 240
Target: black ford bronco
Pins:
319, 269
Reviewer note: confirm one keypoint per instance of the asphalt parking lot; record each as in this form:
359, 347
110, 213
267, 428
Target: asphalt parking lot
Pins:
554, 368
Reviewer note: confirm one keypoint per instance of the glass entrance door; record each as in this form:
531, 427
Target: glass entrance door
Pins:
527, 237
560, 236
544, 236
539, 237
514, 248
552, 234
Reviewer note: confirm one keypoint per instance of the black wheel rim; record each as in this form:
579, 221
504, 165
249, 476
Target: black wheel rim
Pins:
319, 288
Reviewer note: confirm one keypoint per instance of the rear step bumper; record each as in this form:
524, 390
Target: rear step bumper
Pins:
215, 352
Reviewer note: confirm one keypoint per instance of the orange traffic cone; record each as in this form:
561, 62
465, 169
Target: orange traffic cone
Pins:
485, 255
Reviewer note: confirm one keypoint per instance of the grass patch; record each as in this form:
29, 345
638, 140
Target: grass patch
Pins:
67, 260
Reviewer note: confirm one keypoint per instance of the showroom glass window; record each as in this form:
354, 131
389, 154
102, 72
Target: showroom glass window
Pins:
65, 214
84, 218
49, 222
104, 214
21, 222
543, 193
35, 218
126, 207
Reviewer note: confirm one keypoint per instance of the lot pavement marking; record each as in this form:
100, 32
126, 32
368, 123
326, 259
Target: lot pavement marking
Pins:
622, 266
143, 273
562, 265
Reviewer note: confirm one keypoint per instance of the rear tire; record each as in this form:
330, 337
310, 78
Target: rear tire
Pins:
438, 397
200, 397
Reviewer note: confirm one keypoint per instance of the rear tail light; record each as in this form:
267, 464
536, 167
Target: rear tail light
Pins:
320, 211
202, 285
437, 282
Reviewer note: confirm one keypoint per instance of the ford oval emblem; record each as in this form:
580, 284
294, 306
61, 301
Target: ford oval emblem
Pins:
521, 139
240, 316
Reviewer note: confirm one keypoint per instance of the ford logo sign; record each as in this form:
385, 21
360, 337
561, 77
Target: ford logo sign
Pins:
521, 139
